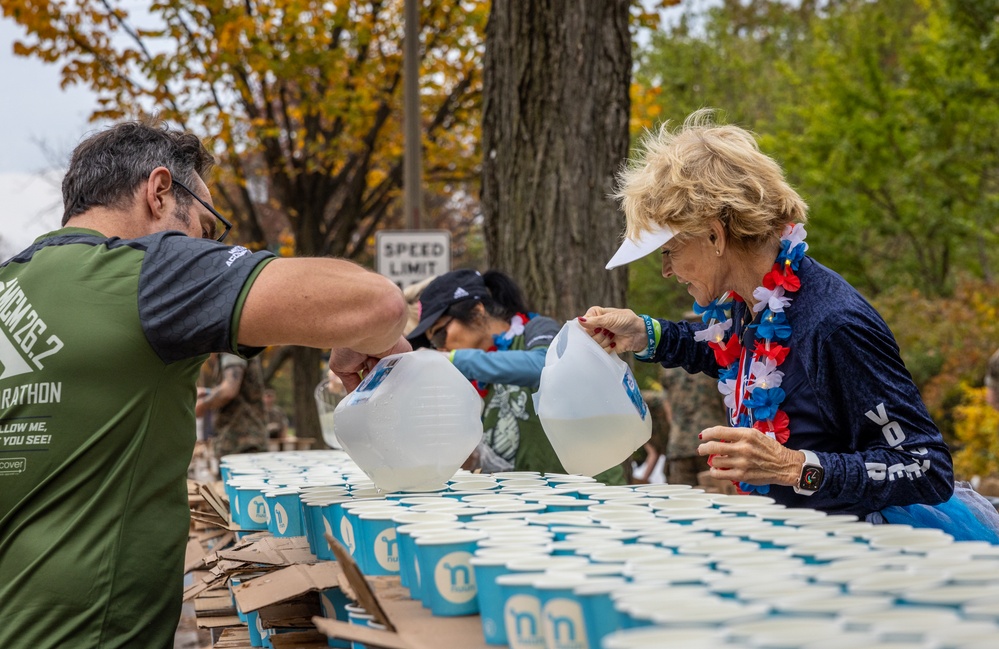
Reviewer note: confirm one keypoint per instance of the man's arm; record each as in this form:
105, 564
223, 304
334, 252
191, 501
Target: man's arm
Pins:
324, 303
221, 394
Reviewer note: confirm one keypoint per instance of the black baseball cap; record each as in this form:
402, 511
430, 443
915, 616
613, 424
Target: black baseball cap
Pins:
444, 292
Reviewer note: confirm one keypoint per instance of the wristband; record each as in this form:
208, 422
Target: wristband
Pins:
653, 331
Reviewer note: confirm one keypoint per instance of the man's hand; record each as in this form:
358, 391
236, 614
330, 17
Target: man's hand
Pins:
349, 365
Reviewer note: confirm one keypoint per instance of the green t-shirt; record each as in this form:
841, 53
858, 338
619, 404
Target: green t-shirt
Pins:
101, 341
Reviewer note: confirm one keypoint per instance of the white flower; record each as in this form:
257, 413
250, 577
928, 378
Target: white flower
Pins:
727, 388
794, 233
714, 333
772, 299
765, 374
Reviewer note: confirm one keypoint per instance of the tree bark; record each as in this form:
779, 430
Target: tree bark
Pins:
306, 375
555, 132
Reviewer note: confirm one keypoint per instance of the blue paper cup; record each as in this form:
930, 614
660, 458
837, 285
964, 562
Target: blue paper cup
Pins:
257, 633
357, 615
331, 514
234, 583
489, 564
252, 506
561, 613
334, 603
345, 518
377, 531
521, 610
409, 569
444, 564
284, 512
599, 615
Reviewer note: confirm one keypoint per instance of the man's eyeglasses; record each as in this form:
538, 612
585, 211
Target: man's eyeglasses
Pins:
225, 222
438, 338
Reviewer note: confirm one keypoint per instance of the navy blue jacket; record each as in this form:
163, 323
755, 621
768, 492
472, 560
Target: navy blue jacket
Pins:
849, 399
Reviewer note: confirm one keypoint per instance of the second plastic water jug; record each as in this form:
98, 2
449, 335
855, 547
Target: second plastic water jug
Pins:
589, 404
412, 421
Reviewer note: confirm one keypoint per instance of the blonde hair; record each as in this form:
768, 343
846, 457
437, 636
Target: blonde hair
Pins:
686, 177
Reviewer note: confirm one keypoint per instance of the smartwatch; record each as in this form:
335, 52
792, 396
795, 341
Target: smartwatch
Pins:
812, 475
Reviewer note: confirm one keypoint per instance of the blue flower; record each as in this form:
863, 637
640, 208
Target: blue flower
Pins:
758, 488
745, 421
773, 326
729, 372
794, 255
502, 342
714, 310
764, 403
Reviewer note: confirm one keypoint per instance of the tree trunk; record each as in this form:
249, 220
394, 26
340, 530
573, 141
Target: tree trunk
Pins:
555, 132
306, 375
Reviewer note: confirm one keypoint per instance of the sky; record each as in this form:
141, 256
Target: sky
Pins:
41, 125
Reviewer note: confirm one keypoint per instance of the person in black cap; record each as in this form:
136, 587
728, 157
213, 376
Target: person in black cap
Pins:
482, 322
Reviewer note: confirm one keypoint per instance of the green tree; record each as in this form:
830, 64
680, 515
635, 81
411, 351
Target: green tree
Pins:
301, 99
881, 112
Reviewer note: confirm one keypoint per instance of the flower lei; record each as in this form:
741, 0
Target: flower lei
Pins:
753, 400
502, 342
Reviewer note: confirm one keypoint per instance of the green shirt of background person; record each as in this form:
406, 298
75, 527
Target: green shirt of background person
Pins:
127, 300
484, 324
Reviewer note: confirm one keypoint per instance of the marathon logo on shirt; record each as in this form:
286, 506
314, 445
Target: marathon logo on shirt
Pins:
894, 435
23, 345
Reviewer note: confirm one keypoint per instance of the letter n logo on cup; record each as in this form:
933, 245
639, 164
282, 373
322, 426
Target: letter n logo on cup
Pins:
454, 578
387, 550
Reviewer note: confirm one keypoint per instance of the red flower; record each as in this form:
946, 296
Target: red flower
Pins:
777, 353
782, 276
778, 426
727, 353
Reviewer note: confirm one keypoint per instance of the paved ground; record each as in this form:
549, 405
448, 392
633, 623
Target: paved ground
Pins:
189, 636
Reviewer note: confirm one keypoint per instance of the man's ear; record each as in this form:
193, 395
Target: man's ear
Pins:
158, 195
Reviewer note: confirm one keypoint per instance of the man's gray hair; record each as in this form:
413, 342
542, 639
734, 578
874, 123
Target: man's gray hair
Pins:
107, 168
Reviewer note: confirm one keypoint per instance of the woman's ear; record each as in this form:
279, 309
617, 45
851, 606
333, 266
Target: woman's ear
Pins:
717, 236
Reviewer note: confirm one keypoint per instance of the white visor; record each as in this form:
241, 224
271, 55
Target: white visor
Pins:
647, 243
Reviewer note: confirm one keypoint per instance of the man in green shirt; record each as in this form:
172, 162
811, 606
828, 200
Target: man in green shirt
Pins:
103, 327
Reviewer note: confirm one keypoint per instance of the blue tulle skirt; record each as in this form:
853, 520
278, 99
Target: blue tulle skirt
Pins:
967, 516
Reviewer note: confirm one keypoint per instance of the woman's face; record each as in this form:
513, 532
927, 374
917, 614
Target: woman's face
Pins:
694, 263
449, 333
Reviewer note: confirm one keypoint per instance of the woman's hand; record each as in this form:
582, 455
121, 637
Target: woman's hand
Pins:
747, 455
617, 330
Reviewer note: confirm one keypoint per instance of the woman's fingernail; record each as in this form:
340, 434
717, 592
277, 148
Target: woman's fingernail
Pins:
582, 319
613, 345
699, 436
597, 330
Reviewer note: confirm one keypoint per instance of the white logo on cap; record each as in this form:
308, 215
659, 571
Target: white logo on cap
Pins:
460, 293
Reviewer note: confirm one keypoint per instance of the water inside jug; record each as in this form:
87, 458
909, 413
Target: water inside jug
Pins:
589, 404
412, 421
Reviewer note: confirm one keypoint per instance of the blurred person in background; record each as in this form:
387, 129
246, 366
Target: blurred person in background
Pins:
277, 421
692, 403
236, 401
822, 412
128, 300
483, 324
992, 381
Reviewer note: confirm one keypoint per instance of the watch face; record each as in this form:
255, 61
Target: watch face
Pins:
811, 478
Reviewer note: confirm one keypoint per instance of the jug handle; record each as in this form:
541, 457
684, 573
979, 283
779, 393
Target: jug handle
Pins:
610, 359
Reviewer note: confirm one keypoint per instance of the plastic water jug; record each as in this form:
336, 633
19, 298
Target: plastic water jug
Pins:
412, 421
589, 404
